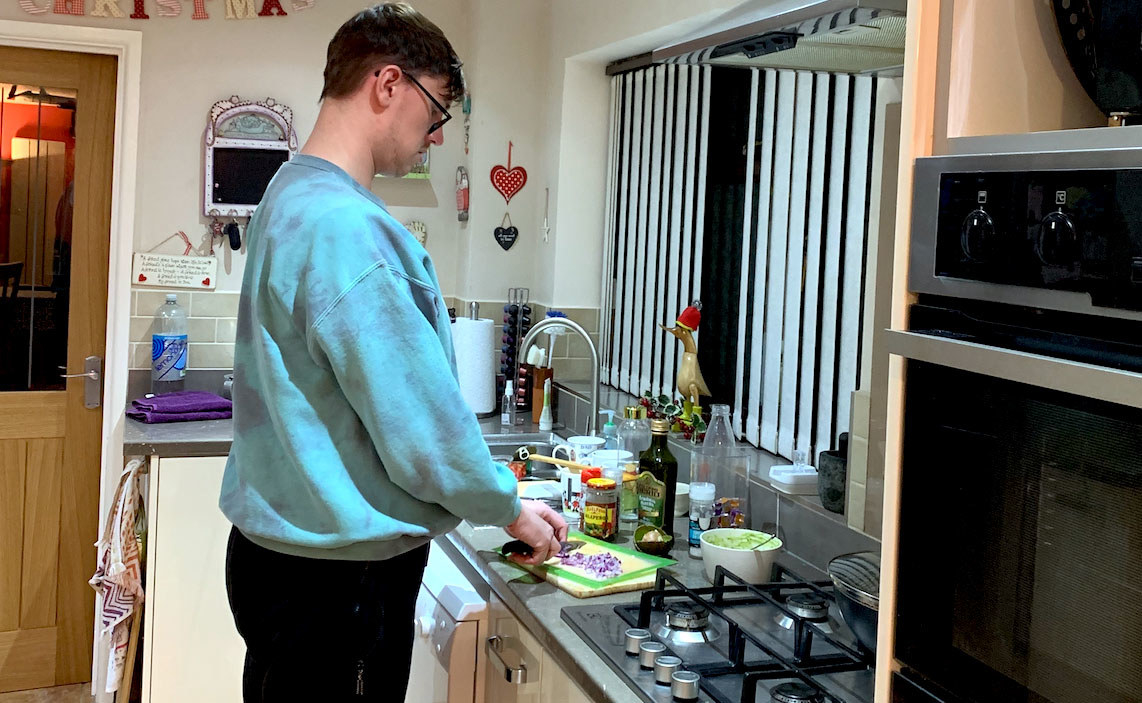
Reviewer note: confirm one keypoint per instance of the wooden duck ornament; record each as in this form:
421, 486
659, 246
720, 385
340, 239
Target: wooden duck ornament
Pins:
690, 382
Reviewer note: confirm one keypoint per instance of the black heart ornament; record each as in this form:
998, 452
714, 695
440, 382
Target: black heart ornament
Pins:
506, 236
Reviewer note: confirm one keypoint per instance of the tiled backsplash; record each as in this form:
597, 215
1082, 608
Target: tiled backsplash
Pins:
213, 320
571, 358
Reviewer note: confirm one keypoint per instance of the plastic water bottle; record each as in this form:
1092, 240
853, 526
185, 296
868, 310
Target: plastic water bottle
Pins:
168, 347
721, 461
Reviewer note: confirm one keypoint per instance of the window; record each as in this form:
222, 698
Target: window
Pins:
749, 190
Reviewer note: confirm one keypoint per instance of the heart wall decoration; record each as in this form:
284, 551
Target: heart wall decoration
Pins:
506, 233
507, 180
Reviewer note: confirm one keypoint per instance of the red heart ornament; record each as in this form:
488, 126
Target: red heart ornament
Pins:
508, 181
142, 278
206, 281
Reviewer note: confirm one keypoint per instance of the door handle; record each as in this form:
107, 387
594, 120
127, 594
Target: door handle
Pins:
496, 647
92, 387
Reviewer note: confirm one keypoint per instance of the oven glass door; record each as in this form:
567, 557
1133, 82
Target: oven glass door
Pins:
1020, 565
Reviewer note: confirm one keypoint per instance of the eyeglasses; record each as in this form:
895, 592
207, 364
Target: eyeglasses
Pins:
439, 123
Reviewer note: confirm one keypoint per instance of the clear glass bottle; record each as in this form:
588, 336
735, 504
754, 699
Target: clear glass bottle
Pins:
701, 514
721, 461
634, 432
169, 347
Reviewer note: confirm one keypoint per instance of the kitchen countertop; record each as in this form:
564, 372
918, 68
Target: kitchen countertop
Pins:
538, 604
213, 437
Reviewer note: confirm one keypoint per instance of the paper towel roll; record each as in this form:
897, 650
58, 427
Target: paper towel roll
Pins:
473, 341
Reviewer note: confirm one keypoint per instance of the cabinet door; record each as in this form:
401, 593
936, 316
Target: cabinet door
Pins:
558, 686
192, 651
508, 650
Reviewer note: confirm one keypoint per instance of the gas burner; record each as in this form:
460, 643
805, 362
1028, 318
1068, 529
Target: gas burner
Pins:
808, 606
795, 693
687, 623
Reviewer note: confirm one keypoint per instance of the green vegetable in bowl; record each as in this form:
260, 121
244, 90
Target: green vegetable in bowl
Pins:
741, 541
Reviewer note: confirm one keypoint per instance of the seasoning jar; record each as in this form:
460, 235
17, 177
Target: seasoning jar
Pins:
600, 509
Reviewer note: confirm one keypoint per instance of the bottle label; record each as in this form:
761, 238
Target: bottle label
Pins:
651, 499
168, 357
698, 525
599, 520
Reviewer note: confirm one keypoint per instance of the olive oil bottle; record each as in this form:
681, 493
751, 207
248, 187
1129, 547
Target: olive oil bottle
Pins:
657, 480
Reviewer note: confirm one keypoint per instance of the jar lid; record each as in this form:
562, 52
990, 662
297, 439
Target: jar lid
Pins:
701, 491
602, 484
659, 426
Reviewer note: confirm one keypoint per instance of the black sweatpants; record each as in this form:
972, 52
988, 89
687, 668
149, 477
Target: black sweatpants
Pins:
323, 629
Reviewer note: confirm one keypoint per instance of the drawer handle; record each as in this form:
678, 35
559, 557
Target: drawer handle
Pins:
516, 675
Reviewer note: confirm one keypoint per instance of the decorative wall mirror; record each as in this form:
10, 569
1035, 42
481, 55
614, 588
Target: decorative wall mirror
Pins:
246, 142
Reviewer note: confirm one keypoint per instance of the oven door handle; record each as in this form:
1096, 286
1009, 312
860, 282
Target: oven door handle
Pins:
1074, 377
496, 647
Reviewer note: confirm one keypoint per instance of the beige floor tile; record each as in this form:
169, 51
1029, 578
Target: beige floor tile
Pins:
78, 693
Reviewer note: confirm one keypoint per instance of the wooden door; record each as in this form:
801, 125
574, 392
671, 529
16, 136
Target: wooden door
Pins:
53, 313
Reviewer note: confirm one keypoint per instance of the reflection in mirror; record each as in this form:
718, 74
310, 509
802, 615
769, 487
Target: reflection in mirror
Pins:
37, 196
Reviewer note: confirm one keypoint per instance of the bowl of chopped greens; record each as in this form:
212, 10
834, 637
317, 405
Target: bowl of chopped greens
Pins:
746, 553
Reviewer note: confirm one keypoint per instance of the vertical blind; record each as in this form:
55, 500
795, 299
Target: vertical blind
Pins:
808, 160
656, 205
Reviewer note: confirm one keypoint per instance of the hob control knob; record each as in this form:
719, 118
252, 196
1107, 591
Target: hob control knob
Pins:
977, 236
1058, 241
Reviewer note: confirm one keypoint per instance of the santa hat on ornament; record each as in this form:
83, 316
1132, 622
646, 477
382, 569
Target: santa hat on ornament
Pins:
691, 317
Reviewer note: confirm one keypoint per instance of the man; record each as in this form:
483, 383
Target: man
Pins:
353, 446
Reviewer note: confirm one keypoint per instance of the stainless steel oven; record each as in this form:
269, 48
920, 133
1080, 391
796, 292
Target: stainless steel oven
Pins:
1019, 570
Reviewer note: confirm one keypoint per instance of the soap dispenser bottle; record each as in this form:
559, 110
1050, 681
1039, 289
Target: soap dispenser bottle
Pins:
610, 430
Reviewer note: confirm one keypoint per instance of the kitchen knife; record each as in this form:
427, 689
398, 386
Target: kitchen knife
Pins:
524, 550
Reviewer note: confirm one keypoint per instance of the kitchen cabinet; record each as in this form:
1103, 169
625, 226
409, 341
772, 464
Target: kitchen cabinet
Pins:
191, 650
519, 669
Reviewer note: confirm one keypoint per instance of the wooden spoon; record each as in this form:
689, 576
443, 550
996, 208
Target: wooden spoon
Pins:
559, 462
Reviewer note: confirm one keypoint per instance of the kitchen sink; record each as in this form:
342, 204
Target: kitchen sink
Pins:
504, 446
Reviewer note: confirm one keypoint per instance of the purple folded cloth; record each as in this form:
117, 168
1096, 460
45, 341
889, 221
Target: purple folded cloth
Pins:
153, 416
181, 402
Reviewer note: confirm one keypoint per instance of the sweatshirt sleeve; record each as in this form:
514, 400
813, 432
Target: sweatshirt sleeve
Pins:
392, 368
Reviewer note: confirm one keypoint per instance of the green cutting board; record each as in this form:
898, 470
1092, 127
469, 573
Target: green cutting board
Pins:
639, 570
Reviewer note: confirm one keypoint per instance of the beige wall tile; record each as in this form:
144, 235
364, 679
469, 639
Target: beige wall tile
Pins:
227, 329
147, 302
141, 328
855, 506
573, 369
140, 356
858, 459
587, 317
214, 305
202, 329
874, 507
210, 356
860, 405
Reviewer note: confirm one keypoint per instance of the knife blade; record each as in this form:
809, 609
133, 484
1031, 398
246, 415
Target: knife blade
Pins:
524, 550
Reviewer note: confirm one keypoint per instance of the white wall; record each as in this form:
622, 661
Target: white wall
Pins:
536, 71
187, 65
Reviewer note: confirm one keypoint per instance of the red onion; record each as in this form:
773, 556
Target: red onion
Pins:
602, 566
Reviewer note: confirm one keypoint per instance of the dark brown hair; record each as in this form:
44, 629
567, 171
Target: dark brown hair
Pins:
389, 33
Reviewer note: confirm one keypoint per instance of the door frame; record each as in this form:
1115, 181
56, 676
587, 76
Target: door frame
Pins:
127, 46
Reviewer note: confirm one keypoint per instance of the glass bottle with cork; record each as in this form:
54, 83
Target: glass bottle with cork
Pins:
657, 480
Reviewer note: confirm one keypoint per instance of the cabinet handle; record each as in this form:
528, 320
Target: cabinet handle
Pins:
515, 675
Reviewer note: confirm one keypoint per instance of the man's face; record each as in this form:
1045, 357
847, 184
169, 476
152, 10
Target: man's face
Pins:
414, 115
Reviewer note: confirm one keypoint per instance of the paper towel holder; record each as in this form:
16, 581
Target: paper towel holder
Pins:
473, 310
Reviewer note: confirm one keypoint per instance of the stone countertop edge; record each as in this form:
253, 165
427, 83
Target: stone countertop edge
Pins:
539, 605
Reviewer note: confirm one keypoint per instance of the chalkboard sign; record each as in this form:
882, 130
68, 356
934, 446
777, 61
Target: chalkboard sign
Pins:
241, 175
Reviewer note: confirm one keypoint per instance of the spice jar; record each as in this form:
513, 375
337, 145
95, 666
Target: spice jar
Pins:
600, 509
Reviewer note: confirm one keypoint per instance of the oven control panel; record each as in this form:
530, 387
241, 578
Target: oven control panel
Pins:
1070, 230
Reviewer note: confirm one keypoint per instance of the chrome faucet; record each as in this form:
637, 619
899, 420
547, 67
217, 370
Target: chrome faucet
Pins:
529, 338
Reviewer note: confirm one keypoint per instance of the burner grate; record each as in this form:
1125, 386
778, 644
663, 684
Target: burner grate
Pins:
720, 600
